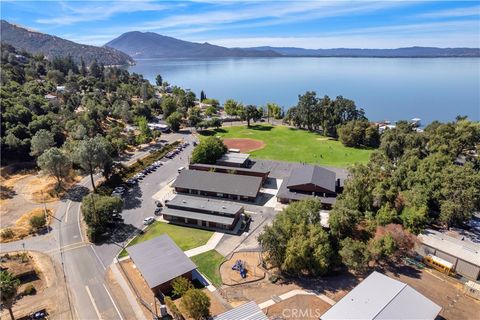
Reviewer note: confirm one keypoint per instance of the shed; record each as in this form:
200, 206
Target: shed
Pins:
381, 297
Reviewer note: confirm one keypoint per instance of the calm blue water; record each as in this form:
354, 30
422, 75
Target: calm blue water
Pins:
393, 89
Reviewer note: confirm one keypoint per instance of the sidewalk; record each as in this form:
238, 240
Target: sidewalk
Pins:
293, 293
210, 245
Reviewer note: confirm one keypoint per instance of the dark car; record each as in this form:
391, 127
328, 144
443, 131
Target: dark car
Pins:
158, 211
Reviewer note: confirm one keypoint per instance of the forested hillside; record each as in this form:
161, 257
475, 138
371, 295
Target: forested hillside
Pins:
52, 47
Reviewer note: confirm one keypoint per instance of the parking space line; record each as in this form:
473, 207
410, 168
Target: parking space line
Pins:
113, 302
93, 302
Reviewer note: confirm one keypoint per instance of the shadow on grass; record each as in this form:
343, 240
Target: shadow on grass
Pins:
260, 127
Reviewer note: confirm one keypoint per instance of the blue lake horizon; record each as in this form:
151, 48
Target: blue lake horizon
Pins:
386, 88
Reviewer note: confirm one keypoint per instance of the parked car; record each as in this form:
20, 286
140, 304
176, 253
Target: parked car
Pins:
158, 204
180, 169
158, 211
148, 220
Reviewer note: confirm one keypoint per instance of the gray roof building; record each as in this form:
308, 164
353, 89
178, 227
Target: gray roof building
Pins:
381, 297
214, 182
234, 159
253, 169
160, 260
247, 311
204, 204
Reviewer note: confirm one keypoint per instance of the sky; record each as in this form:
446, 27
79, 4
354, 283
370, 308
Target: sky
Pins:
307, 24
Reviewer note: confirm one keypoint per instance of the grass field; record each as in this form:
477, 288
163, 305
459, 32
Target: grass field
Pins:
208, 263
294, 145
185, 238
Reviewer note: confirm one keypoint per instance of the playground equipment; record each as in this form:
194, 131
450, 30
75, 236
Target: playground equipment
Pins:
240, 267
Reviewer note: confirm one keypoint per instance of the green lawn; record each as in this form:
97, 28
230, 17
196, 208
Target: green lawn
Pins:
294, 145
208, 263
186, 238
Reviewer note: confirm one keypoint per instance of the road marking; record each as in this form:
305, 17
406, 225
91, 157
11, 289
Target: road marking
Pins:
68, 208
113, 302
68, 247
93, 302
79, 226
96, 255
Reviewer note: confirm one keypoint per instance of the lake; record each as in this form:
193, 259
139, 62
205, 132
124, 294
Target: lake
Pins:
387, 88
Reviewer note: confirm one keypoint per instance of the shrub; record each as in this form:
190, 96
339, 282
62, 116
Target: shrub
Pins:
196, 304
181, 285
7, 233
30, 290
172, 308
37, 222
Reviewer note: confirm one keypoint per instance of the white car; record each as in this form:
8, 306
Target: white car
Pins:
180, 169
148, 220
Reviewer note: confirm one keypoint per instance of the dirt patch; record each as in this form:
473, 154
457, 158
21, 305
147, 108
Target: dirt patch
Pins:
305, 307
37, 270
22, 227
252, 263
441, 289
244, 145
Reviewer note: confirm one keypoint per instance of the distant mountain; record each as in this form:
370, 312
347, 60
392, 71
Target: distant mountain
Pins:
347, 52
153, 45
52, 46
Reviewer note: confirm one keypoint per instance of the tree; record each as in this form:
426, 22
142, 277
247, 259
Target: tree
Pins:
274, 111
56, 163
359, 133
194, 116
97, 212
203, 96
145, 132
180, 286
210, 111
196, 304
296, 242
175, 120
354, 253
159, 80
91, 155
173, 309
41, 141
251, 112
169, 106
232, 107
209, 150
414, 218
8, 290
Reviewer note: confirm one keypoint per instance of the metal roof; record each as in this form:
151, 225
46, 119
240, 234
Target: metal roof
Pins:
225, 183
462, 249
285, 193
204, 204
238, 169
199, 216
234, 157
159, 260
381, 297
247, 311
308, 174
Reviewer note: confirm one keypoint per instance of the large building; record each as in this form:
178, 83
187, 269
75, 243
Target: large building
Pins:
462, 253
159, 261
221, 185
310, 181
381, 297
253, 172
202, 212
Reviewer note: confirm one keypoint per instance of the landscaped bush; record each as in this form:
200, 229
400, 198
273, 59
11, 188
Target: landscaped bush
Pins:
181, 285
7, 233
37, 222
30, 290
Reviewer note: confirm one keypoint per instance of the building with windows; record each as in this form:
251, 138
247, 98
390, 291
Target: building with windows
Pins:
215, 184
310, 181
242, 171
202, 212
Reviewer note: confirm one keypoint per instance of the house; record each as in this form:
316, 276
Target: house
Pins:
159, 261
307, 181
262, 173
234, 159
462, 253
159, 126
381, 297
202, 212
215, 184
247, 311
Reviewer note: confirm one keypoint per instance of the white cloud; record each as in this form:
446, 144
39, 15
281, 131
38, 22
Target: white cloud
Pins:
95, 11
452, 13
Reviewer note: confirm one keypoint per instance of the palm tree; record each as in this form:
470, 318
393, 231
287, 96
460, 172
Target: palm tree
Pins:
8, 290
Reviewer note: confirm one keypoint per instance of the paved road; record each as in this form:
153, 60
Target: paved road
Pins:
85, 264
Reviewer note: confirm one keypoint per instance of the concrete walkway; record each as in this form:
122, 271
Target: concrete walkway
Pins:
128, 292
293, 293
210, 245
